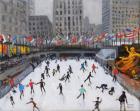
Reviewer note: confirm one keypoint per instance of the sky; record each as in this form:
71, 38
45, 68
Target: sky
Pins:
92, 9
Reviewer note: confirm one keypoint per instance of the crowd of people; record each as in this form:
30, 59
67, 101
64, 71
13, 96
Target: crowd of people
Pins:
66, 78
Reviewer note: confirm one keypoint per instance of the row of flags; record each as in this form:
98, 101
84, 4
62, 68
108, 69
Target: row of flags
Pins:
71, 39
126, 34
22, 40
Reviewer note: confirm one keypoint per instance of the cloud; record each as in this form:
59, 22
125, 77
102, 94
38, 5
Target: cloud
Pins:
92, 9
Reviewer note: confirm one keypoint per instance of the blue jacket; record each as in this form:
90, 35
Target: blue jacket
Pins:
21, 87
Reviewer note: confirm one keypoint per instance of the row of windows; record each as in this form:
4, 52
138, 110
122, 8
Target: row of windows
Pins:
68, 12
69, 18
34, 23
37, 28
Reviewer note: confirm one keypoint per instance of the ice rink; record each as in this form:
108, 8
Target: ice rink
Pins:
52, 101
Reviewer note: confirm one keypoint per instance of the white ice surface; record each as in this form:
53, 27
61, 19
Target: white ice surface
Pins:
52, 101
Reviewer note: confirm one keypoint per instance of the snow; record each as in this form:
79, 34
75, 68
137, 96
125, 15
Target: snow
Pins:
52, 101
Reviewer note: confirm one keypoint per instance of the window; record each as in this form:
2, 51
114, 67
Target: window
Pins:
60, 12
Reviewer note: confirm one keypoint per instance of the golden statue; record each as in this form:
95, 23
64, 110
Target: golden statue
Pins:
130, 62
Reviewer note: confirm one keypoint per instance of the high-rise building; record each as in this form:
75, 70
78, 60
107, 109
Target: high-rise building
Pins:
31, 7
14, 16
40, 26
87, 26
117, 15
68, 16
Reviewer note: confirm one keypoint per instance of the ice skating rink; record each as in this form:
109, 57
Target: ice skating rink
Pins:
52, 101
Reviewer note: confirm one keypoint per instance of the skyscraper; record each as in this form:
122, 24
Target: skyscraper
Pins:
117, 15
14, 16
68, 16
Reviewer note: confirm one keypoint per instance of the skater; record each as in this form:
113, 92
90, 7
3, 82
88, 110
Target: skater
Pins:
12, 83
67, 77
86, 63
111, 91
34, 104
122, 99
48, 63
31, 85
93, 68
97, 103
82, 67
58, 68
63, 77
61, 88
82, 92
54, 72
42, 84
103, 86
47, 71
70, 69
21, 89
42, 76
88, 78
115, 72
12, 100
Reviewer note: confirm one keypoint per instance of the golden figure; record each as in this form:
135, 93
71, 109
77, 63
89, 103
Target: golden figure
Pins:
129, 62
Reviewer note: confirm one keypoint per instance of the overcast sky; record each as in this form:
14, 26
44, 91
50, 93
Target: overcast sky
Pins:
92, 9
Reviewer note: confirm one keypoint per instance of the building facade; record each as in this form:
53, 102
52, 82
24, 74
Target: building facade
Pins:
40, 26
87, 26
117, 15
14, 16
68, 16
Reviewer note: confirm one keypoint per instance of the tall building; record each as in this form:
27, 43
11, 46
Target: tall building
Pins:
87, 26
117, 15
40, 26
14, 16
68, 16
31, 7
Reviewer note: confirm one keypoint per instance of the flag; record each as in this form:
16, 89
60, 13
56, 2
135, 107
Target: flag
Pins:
130, 35
128, 29
1, 38
110, 37
74, 40
29, 38
120, 35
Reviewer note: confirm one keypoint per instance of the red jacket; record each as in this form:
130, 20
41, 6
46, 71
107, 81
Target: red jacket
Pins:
31, 84
115, 71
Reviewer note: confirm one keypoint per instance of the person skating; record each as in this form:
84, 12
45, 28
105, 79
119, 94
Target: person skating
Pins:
12, 100
111, 91
70, 69
97, 103
103, 86
115, 72
122, 99
54, 72
82, 67
86, 63
61, 88
93, 68
42, 76
82, 92
21, 89
47, 71
34, 104
31, 85
88, 78
48, 63
67, 77
62, 78
58, 68
42, 84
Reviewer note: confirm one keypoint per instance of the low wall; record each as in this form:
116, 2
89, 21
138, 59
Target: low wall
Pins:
131, 85
19, 77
